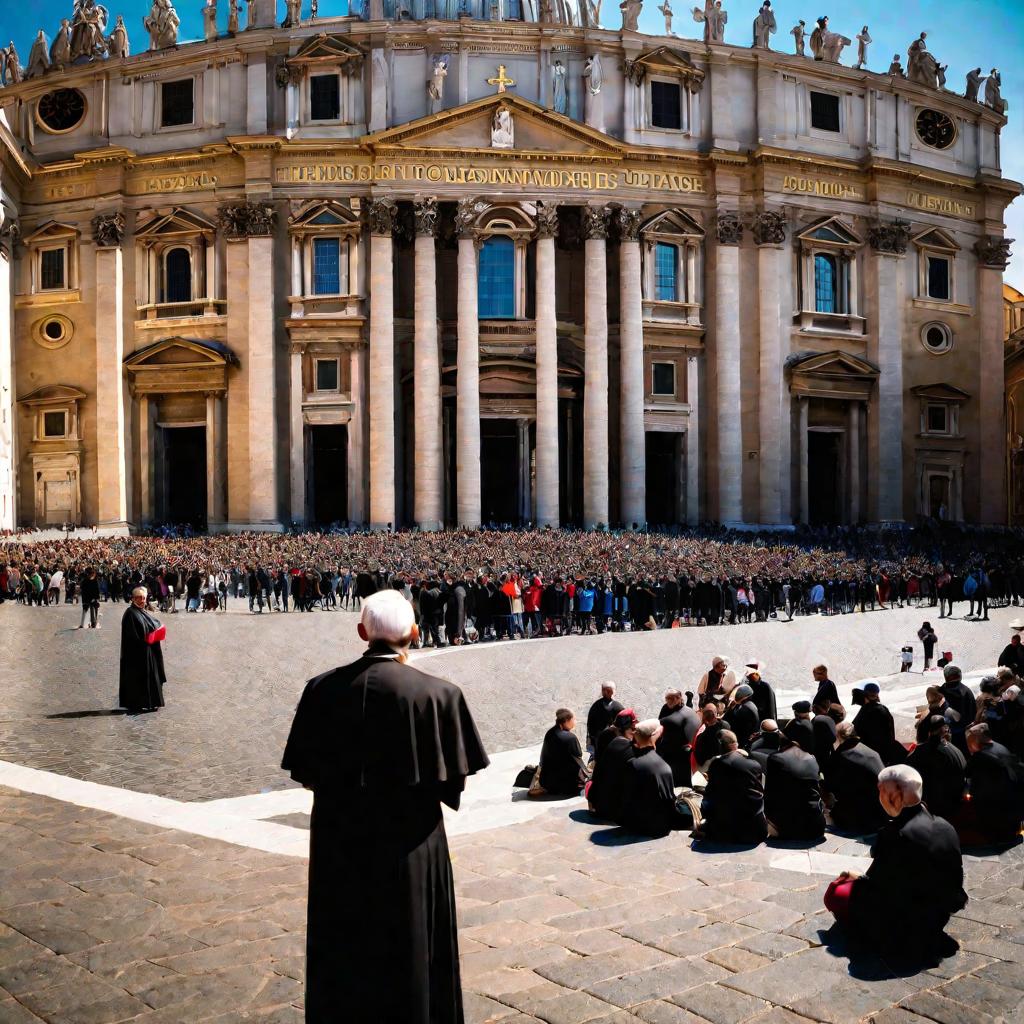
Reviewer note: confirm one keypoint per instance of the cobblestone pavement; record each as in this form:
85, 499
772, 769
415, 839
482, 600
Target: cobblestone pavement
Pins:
562, 921
235, 679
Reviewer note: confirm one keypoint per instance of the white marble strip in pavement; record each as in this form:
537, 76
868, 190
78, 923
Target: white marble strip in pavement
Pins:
814, 863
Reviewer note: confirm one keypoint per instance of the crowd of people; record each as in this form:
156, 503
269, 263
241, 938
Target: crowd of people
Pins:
483, 585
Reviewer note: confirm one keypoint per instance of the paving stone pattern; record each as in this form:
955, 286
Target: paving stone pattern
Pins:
562, 921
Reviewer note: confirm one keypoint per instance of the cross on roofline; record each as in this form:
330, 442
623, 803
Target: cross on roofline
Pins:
500, 80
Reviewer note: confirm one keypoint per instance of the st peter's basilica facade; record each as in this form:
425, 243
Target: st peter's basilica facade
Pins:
471, 262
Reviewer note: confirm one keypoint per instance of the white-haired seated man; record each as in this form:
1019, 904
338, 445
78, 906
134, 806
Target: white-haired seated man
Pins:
382, 746
649, 806
916, 880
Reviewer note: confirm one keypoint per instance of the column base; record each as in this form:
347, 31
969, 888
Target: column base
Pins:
430, 527
250, 527
782, 527
118, 528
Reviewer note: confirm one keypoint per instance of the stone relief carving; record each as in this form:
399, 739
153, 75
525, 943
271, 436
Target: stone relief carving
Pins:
425, 215
162, 24
108, 229
993, 253
892, 237
627, 222
595, 222
466, 213
502, 129
729, 229
764, 26
381, 215
769, 228
547, 220
287, 74
246, 219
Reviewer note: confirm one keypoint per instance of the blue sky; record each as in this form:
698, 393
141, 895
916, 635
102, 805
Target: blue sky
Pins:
962, 33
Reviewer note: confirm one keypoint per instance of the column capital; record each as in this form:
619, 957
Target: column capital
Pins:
729, 228
595, 222
108, 229
628, 224
466, 214
547, 220
890, 237
381, 215
425, 217
769, 228
246, 220
993, 252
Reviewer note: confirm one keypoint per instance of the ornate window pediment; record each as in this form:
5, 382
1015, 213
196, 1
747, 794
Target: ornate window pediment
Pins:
940, 409
665, 61
325, 252
53, 257
830, 231
936, 264
324, 216
671, 244
322, 78
831, 375
177, 272
178, 222
176, 365
936, 238
325, 49
828, 293
941, 392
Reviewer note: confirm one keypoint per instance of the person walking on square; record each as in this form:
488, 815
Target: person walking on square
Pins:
382, 746
928, 641
142, 661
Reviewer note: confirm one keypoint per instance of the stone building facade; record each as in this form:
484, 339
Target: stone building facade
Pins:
1013, 329
460, 266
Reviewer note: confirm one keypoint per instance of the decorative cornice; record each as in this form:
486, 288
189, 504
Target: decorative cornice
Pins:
425, 216
595, 222
381, 215
993, 252
246, 220
729, 229
890, 237
108, 229
769, 228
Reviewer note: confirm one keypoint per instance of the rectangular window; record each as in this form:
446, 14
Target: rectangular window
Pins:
177, 103
666, 271
55, 424
327, 375
666, 105
825, 111
938, 277
326, 266
324, 97
53, 268
497, 279
826, 284
663, 379
938, 419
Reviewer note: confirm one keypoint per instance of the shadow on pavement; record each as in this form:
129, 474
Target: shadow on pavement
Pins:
98, 713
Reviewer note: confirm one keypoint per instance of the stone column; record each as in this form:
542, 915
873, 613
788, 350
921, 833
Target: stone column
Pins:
428, 499
595, 369
357, 433
297, 435
214, 468
547, 368
8, 458
381, 213
252, 224
853, 458
467, 393
993, 255
111, 474
727, 364
773, 400
146, 460
632, 452
693, 441
805, 503
889, 244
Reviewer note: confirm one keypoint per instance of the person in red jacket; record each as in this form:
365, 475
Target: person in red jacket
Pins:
531, 606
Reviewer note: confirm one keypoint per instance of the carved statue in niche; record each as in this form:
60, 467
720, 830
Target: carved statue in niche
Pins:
666, 13
764, 26
162, 24
210, 21
560, 99
592, 73
863, 40
435, 87
88, 24
117, 42
39, 56
630, 14
502, 129
798, 31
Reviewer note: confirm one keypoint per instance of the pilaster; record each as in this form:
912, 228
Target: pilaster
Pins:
547, 369
595, 372
632, 445
428, 500
467, 382
726, 275
8, 440
381, 215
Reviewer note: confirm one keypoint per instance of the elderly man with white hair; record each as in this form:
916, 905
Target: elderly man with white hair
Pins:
142, 676
382, 746
718, 682
915, 881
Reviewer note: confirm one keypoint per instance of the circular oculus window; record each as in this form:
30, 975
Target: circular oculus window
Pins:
937, 338
53, 331
60, 111
935, 128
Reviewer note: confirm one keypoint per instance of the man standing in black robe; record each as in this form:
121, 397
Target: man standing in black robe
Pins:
601, 714
382, 746
142, 661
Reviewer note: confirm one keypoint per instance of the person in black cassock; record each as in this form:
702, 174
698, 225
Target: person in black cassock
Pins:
142, 661
792, 796
562, 771
733, 806
799, 729
382, 746
742, 717
649, 807
875, 727
824, 687
851, 778
915, 882
675, 745
601, 714
613, 752
943, 770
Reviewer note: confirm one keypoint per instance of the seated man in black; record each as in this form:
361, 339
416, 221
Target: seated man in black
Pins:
649, 806
876, 728
851, 781
742, 715
613, 752
679, 726
915, 882
601, 714
799, 729
993, 813
824, 726
792, 800
708, 744
942, 768
733, 806
562, 771
767, 742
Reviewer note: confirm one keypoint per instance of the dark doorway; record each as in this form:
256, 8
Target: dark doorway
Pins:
185, 476
499, 471
328, 447
824, 482
663, 453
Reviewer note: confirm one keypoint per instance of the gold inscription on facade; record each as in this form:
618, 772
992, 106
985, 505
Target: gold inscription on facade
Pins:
192, 181
819, 187
939, 204
69, 191
520, 177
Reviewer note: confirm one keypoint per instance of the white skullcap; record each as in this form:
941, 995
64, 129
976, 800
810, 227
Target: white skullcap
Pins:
648, 729
387, 616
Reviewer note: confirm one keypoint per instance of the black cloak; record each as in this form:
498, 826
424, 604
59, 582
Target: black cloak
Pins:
142, 664
382, 745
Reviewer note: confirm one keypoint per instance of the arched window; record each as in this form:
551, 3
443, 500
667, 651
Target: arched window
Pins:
825, 284
497, 279
178, 276
666, 272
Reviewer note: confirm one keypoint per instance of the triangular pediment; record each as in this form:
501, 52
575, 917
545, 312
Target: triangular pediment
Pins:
177, 222
941, 392
181, 352
829, 231
326, 49
468, 128
935, 238
832, 364
51, 230
666, 60
326, 214
673, 222
51, 394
